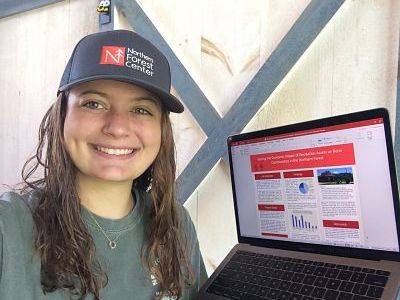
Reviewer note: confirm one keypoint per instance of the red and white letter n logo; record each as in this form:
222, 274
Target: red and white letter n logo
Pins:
112, 55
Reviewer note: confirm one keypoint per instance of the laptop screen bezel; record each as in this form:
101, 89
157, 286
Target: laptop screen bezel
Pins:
318, 248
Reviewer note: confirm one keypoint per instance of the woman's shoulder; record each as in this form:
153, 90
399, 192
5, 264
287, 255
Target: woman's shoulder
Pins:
16, 220
14, 204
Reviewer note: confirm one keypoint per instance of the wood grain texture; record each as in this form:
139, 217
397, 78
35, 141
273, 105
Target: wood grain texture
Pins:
223, 46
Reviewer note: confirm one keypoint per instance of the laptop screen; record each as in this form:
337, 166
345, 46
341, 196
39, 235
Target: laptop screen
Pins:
328, 185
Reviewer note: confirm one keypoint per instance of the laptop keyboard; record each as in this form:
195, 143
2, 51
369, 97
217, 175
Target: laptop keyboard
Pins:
260, 276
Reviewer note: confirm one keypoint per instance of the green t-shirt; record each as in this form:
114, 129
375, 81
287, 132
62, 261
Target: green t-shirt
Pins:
127, 279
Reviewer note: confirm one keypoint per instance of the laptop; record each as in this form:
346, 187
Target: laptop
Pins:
317, 212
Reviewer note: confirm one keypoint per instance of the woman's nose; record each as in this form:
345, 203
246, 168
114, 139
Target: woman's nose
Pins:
117, 124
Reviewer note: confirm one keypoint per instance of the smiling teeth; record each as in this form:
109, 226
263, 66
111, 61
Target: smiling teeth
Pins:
115, 151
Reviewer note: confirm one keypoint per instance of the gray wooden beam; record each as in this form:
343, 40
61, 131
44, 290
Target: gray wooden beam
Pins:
12, 7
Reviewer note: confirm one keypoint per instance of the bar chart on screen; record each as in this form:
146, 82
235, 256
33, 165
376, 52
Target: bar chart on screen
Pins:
303, 221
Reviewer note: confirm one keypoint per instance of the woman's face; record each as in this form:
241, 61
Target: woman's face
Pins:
112, 129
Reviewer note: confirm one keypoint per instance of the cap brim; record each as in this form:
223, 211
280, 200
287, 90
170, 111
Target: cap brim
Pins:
168, 100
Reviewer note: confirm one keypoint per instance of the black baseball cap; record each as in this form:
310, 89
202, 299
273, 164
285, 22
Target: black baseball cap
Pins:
121, 55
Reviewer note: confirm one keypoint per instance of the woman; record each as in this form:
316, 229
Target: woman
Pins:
103, 222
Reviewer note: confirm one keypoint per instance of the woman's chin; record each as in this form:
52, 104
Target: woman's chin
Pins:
110, 176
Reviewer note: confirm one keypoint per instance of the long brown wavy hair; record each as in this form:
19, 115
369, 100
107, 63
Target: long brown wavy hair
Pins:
66, 248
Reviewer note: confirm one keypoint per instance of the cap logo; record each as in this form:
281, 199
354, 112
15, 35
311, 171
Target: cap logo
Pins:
112, 55
129, 58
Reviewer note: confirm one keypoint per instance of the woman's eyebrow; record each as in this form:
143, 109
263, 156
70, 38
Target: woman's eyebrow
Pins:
93, 92
150, 98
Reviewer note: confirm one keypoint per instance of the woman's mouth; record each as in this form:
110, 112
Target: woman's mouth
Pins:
114, 152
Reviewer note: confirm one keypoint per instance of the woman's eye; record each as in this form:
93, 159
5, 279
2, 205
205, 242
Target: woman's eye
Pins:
93, 105
142, 111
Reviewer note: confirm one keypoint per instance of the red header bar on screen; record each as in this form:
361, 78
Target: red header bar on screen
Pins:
271, 207
336, 155
298, 174
311, 131
341, 224
266, 176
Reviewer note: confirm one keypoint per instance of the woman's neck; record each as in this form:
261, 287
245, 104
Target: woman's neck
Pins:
111, 200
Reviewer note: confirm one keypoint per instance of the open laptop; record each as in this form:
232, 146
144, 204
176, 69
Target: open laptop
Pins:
317, 212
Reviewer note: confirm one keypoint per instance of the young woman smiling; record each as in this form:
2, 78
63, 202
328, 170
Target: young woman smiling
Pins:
102, 222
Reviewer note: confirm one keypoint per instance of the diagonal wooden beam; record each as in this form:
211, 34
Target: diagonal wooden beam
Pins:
293, 45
